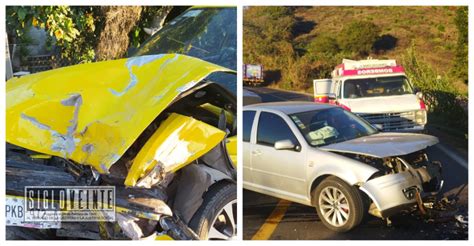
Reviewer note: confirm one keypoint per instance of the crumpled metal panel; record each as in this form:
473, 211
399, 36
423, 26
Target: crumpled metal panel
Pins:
178, 141
384, 144
217, 111
92, 113
387, 191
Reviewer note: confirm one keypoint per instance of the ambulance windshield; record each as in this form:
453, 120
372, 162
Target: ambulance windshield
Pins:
374, 87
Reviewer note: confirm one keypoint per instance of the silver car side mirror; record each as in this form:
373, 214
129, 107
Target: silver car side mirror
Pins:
284, 144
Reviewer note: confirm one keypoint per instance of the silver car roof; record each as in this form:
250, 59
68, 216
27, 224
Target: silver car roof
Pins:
289, 107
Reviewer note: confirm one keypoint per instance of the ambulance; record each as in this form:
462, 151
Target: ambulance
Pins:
376, 90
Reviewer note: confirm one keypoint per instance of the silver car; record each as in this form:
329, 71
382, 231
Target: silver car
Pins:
324, 156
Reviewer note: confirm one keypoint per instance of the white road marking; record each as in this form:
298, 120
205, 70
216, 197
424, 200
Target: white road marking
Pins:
453, 155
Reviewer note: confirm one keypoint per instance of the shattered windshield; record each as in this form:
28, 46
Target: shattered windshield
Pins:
209, 34
374, 87
328, 126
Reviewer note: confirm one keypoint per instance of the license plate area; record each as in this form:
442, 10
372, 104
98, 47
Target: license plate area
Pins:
15, 214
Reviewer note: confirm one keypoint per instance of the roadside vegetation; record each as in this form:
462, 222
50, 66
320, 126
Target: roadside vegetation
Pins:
298, 44
78, 34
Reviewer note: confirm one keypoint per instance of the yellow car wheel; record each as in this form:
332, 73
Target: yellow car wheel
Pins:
216, 218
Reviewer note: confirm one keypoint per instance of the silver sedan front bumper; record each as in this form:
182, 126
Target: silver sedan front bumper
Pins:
393, 192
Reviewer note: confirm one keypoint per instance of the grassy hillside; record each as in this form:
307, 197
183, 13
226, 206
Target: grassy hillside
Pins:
431, 30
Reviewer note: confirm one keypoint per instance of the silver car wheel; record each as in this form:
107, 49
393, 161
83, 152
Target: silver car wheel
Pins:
224, 227
334, 206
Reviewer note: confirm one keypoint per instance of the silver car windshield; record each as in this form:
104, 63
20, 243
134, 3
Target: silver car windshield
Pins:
374, 87
328, 126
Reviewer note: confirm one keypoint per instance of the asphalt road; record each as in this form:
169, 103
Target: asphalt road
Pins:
274, 95
270, 218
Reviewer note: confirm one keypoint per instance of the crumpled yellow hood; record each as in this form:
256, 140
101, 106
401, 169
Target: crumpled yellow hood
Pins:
92, 113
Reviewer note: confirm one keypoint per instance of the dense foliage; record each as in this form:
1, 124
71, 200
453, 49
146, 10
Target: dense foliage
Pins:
82, 33
444, 102
461, 63
269, 40
358, 37
268, 36
71, 29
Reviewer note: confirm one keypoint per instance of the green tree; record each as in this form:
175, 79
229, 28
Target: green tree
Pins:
461, 62
358, 37
269, 41
443, 100
324, 44
268, 37
300, 74
72, 28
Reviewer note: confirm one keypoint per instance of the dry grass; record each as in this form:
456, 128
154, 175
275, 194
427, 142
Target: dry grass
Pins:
430, 28
114, 40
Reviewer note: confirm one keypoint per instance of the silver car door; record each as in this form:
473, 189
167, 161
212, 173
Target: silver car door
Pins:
278, 171
248, 122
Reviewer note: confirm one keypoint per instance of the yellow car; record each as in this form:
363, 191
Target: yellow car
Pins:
159, 127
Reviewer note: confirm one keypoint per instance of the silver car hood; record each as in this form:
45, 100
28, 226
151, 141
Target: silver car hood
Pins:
382, 145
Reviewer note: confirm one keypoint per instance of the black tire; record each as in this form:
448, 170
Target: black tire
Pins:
218, 196
352, 198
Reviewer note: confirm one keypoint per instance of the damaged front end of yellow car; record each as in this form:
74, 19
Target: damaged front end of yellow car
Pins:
151, 126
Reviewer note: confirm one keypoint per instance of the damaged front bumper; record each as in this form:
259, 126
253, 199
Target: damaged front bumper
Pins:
139, 213
139, 219
392, 193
